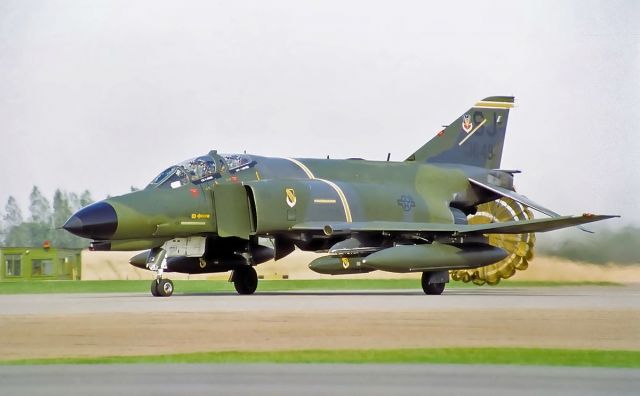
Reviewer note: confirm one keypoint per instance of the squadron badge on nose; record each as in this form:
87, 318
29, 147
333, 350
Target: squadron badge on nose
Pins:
290, 197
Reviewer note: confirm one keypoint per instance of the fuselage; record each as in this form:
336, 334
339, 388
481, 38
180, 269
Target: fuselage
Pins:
282, 192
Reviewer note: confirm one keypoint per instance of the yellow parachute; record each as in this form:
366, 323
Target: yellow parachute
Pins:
519, 246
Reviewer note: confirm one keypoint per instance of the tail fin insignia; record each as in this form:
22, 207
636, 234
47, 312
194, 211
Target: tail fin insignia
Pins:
476, 138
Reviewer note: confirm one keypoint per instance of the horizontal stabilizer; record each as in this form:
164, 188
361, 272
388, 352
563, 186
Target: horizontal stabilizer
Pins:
515, 196
519, 198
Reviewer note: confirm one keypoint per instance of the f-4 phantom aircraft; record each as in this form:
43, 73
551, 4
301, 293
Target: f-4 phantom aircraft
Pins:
448, 210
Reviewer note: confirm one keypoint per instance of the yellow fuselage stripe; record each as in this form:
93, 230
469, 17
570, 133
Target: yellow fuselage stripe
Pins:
338, 190
303, 167
343, 198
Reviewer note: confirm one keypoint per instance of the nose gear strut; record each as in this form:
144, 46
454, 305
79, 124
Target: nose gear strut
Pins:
157, 262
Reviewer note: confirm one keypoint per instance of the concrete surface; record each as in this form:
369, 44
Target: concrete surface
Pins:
313, 379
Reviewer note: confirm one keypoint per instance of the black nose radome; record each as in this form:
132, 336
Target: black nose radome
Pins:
96, 221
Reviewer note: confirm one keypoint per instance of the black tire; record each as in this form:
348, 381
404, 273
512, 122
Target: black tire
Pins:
165, 288
154, 288
245, 280
431, 289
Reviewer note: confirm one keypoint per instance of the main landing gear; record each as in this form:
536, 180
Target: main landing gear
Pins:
245, 279
433, 282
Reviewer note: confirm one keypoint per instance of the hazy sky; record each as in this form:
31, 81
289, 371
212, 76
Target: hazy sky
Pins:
103, 95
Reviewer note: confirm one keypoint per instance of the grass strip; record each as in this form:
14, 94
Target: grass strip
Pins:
212, 286
501, 356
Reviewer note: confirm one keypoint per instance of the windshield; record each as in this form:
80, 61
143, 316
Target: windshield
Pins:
163, 175
196, 170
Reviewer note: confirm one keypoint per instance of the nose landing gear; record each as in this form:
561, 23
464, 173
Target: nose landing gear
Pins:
161, 287
157, 261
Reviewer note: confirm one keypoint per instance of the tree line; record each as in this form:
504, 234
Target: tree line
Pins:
44, 220
617, 246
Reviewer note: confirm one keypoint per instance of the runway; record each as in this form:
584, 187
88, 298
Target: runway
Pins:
59, 325
313, 379
567, 297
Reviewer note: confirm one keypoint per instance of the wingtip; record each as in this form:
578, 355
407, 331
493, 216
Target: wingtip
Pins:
598, 217
587, 215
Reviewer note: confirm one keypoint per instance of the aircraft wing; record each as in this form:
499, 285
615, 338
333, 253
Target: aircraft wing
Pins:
535, 225
510, 227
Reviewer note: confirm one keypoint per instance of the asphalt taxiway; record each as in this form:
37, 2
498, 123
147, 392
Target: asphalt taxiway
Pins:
314, 379
566, 297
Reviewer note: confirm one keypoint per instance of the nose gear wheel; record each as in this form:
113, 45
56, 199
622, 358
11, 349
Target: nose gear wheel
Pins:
519, 246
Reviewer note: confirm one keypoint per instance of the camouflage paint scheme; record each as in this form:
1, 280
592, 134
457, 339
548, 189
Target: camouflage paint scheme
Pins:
367, 215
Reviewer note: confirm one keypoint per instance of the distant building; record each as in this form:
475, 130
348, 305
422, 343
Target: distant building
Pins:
39, 263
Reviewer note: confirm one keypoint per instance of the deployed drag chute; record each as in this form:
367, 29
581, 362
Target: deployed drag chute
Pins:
518, 246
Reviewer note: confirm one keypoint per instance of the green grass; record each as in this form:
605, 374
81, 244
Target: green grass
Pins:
212, 286
508, 356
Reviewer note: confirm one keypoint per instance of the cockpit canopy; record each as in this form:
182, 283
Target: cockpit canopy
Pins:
193, 170
200, 169
237, 162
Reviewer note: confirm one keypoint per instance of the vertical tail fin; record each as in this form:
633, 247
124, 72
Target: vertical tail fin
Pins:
475, 138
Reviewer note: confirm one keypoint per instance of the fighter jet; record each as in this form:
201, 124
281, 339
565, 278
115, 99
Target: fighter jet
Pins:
447, 211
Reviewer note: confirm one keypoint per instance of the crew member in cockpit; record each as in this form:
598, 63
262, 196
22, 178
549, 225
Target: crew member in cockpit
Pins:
199, 169
222, 166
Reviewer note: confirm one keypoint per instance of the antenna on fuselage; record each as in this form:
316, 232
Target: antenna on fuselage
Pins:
388, 156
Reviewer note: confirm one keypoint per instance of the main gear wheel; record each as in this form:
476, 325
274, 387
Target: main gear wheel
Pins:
519, 246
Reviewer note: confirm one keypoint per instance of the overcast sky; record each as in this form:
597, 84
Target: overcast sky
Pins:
103, 95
